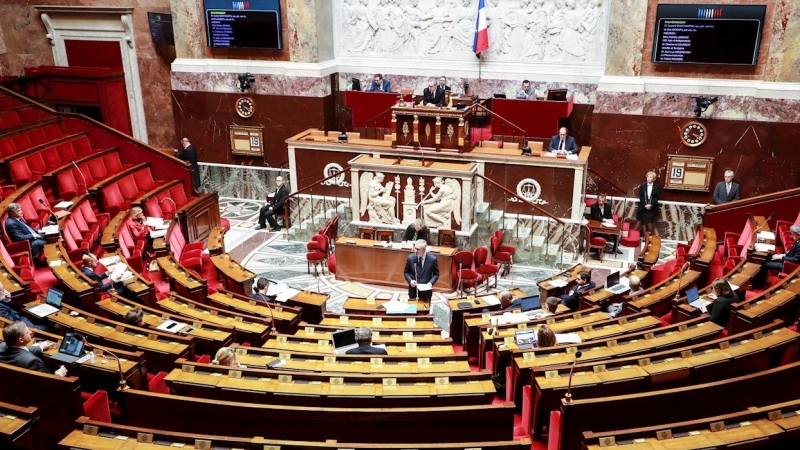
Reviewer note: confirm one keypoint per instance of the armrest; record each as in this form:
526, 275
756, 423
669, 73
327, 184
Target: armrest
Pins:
195, 246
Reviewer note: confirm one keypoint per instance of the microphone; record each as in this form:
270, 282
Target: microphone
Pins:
123, 386
174, 205
680, 277
568, 396
750, 216
53, 218
458, 288
85, 186
272, 330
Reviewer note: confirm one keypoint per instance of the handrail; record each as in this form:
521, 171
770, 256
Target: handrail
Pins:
494, 114
522, 199
736, 204
296, 193
624, 192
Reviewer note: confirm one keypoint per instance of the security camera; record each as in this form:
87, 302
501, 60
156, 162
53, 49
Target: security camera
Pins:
702, 104
245, 81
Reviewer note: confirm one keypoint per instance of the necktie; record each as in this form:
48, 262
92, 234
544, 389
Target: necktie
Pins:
728, 189
562, 144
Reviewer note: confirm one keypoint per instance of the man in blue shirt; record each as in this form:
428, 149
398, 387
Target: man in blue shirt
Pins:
380, 84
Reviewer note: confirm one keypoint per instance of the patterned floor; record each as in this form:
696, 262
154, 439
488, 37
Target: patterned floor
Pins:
271, 255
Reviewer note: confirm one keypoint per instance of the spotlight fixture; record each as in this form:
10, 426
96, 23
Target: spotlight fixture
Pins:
702, 104
245, 81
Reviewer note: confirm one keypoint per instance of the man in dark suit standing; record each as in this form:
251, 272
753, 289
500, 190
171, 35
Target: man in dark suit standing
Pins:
563, 143
422, 268
584, 283
364, 339
380, 84
273, 207
18, 230
190, 154
15, 350
726, 191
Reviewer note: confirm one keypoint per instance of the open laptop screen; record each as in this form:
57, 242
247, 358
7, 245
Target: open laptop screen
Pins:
54, 297
344, 338
612, 280
692, 294
71, 345
524, 337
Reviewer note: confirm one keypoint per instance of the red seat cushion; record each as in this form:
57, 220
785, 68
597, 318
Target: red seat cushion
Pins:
598, 241
96, 407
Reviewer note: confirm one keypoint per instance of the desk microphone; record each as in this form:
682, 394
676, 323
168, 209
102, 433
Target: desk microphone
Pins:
758, 228
85, 186
53, 218
568, 395
680, 278
123, 386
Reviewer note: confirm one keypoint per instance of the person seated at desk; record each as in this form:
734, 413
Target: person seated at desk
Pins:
776, 261
415, 231
563, 143
432, 95
18, 230
135, 317
601, 211
584, 283
723, 297
226, 357
15, 350
260, 291
9, 312
364, 340
527, 92
545, 337
380, 84
136, 225
634, 284
90, 262
274, 207
550, 307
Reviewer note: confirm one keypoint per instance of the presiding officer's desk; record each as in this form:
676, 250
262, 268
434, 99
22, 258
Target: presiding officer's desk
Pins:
368, 261
161, 349
338, 390
95, 375
92, 435
17, 427
318, 362
208, 336
701, 363
324, 345
379, 322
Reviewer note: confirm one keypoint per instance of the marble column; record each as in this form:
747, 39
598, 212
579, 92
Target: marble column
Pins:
188, 27
625, 37
302, 39
783, 63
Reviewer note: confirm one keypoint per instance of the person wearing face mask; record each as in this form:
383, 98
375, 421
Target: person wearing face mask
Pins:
647, 214
136, 224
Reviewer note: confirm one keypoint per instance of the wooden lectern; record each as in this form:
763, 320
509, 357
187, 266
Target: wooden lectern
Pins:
431, 127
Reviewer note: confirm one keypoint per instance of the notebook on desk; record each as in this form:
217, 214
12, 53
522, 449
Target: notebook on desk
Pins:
51, 305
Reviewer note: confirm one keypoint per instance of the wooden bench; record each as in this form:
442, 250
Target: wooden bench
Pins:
325, 345
17, 427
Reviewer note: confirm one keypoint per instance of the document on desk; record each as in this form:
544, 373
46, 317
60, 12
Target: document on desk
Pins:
765, 248
558, 282
171, 326
110, 261
424, 287
491, 300
767, 235
62, 205
550, 154
509, 318
154, 222
155, 234
276, 288
568, 338
398, 307
287, 294
701, 304
572, 157
50, 229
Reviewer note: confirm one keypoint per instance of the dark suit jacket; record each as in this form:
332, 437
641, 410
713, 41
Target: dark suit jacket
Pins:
436, 97
720, 196
385, 86
569, 145
27, 359
421, 234
428, 274
17, 231
721, 309
597, 215
571, 299
94, 276
524, 304
654, 196
189, 154
279, 199
793, 255
366, 350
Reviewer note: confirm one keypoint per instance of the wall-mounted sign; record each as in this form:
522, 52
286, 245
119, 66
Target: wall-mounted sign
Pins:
688, 173
246, 141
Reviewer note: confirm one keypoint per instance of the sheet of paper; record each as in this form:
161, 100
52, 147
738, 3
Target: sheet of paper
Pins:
286, 294
491, 300
110, 261
424, 287
568, 338
395, 306
62, 205
765, 247
572, 157
549, 154
396, 246
766, 235
50, 229
510, 317
171, 326
155, 234
558, 282
154, 221
55, 263
277, 288
733, 286
701, 304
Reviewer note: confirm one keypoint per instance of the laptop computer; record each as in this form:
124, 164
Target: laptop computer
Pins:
51, 305
344, 340
70, 350
692, 294
613, 284
525, 339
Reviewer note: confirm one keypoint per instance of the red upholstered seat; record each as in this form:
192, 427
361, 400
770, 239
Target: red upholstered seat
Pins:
594, 242
113, 200
113, 163
483, 267
502, 259
554, 431
203, 359
67, 184
502, 247
82, 147
66, 151
634, 239
36, 165
7, 147
96, 169
51, 132
127, 186
97, 408
178, 195
157, 383
466, 278
20, 173
318, 254
225, 223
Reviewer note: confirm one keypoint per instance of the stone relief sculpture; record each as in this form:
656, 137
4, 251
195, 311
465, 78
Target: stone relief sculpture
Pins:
443, 204
376, 199
572, 31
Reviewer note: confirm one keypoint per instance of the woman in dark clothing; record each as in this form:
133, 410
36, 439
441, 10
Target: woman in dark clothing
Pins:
649, 193
723, 296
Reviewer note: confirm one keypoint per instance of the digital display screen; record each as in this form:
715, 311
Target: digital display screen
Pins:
708, 34
243, 24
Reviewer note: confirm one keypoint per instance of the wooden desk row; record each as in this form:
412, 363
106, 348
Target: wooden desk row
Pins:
479, 304
658, 298
493, 422
739, 276
651, 251
775, 302
384, 335
16, 427
325, 345
319, 362
379, 322
342, 390
287, 318
664, 370
91, 435
600, 297
182, 280
772, 426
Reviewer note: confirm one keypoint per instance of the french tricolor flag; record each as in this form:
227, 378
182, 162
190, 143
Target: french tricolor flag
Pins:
481, 43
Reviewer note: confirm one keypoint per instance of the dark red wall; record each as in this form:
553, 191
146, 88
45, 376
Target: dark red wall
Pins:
100, 54
763, 154
204, 118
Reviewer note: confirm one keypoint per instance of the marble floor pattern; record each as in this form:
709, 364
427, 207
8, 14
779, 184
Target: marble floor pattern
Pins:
271, 255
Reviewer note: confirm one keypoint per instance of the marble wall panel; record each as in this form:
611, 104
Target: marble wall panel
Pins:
783, 63
625, 37
204, 117
253, 183
223, 82
625, 147
554, 193
302, 36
